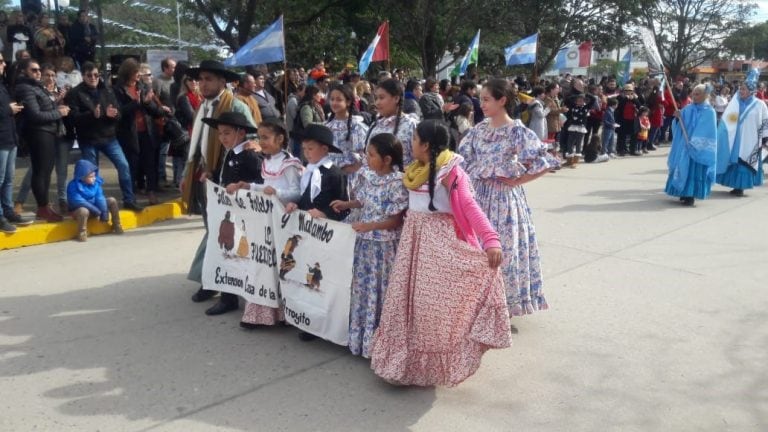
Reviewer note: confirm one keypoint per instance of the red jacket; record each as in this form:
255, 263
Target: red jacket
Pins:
668, 103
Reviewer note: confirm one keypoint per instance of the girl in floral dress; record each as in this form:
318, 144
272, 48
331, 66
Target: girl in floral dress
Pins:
282, 177
349, 131
500, 155
445, 303
382, 197
389, 104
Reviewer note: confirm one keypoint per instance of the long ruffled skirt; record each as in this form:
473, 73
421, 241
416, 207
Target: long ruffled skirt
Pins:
507, 210
443, 310
697, 185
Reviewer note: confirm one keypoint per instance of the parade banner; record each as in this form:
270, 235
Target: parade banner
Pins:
291, 260
240, 256
316, 273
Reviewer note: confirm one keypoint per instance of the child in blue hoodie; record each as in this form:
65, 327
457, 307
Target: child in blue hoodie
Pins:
86, 198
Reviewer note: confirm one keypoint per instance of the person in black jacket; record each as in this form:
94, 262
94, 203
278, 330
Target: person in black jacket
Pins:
239, 164
8, 146
317, 142
41, 126
95, 115
136, 128
82, 37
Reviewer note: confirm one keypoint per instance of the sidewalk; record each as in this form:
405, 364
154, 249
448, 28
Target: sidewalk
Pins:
42, 232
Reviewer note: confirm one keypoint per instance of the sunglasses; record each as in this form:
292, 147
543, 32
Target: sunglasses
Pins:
34, 69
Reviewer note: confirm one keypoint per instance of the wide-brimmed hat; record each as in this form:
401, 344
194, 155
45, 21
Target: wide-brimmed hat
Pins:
214, 67
629, 87
321, 134
231, 118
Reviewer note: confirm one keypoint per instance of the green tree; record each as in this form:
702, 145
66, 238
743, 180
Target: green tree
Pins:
749, 42
689, 32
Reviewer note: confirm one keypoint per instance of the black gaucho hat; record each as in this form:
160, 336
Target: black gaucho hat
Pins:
231, 118
321, 134
214, 67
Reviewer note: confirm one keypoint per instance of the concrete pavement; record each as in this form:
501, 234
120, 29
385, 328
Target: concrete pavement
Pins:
658, 322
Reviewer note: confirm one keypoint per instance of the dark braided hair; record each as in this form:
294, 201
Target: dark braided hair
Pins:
345, 91
387, 144
395, 89
435, 134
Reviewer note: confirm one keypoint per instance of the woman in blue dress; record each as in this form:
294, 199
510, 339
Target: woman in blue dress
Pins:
692, 158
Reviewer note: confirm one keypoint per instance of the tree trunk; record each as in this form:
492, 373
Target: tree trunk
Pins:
100, 25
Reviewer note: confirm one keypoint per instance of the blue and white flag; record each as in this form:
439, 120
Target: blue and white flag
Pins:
267, 47
523, 52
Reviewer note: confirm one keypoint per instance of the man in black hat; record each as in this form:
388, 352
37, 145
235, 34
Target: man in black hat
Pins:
238, 164
205, 151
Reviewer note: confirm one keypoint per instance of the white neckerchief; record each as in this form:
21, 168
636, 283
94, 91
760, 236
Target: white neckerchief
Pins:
313, 176
201, 129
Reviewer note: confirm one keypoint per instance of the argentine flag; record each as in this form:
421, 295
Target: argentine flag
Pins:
267, 47
523, 52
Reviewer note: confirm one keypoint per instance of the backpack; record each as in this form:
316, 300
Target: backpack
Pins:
175, 133
297, 131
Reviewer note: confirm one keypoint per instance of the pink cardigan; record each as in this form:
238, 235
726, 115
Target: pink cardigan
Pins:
469, 220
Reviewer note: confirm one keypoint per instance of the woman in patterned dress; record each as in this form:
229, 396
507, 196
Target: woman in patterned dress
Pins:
382, 197
445, 303
500, 155
282, 177
349, 131
389, 104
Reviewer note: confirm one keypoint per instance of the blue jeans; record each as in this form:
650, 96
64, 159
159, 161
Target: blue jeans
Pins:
114, 153
161, 172
7, 171
608, 134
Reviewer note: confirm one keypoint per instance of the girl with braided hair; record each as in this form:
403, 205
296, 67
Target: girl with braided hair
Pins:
348, 129
444, 305
389, 104
500, 155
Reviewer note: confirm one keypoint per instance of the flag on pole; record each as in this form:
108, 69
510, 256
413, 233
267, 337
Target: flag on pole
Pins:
267, 47
574, 56
624, 67
649, 43
523, 52
469, 58
378, 50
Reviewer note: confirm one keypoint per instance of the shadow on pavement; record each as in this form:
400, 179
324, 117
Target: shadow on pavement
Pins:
142, 351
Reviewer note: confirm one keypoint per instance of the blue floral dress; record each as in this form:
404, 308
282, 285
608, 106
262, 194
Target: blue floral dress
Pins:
353, 149
509, 151
405, 131
382, 197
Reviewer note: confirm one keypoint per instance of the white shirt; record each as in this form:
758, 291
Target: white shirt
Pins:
200, 130
313, 177
282, 172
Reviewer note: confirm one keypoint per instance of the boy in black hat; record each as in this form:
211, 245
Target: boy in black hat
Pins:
238, 165
322, 181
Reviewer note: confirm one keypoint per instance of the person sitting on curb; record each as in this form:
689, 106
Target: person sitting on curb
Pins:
86, 198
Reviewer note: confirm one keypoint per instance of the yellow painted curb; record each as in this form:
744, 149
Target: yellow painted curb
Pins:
41, 233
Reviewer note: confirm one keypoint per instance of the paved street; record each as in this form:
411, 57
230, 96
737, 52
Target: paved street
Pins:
658, 322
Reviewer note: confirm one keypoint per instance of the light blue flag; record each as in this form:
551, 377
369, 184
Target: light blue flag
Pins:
523, 52
267, 47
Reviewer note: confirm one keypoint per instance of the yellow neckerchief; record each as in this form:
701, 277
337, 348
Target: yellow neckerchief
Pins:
417, 173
